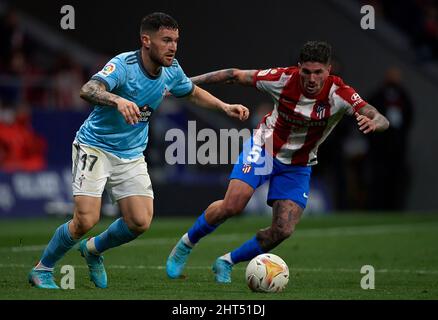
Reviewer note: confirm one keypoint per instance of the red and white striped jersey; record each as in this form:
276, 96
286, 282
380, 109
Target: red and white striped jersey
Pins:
298, 124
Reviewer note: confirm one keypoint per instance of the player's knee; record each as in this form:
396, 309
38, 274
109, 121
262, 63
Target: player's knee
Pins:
286, 215
236, 198
80, 225
232, 207
139, 228
289, 209
138, 225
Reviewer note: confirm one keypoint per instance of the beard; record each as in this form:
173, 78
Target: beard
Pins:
312, 89
155, 58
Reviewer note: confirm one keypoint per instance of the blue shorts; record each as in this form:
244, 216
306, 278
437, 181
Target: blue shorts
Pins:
286, 182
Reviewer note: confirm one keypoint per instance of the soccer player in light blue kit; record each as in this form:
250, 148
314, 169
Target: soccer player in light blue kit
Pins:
108, 148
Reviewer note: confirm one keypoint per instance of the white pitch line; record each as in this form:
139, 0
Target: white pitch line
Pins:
26, 248
305, 233
311, 233
323, 270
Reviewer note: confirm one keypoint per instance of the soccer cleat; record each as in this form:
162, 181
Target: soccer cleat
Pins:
222, 269
42, 279
95, 266
177, 259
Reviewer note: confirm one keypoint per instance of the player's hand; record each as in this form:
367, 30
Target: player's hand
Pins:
129, 110
236, 111
366, 125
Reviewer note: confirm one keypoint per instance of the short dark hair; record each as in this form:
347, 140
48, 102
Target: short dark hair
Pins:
316, 51
157, 20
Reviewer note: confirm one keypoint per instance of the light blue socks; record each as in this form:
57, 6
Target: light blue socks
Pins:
60, 243
117, 234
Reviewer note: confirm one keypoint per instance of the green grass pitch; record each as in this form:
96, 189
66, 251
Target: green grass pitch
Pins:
324, 256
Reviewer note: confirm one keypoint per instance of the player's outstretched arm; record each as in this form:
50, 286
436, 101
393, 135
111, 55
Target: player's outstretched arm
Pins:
370, 120
204, 99
95, 93
243, 77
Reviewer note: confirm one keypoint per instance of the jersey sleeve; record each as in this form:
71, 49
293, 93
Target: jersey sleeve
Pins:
183, 85
270, 81
348, 98
112, 75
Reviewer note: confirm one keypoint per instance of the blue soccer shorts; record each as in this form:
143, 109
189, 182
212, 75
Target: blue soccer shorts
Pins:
286, 182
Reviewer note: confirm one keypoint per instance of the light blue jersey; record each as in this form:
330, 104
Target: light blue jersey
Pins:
125, 76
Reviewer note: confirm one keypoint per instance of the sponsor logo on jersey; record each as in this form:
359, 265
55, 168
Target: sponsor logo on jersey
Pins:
246, 168
356, 103
355, 97
108, 69
302, 122
288, 100
145, 113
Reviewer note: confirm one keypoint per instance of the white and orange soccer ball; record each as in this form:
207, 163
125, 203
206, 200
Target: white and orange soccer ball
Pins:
267, 273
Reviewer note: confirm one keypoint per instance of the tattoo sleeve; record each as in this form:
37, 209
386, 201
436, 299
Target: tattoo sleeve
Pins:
381, 122
286, 214
95, 92
226, 75
243, 77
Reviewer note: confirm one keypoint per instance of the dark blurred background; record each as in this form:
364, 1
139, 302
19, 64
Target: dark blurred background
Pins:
394, 67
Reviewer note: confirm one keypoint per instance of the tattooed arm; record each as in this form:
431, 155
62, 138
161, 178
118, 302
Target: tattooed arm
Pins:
203, 98
370, 120
95, 92
243, 77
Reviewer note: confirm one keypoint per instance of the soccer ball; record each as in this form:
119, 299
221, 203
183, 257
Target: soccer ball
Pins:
267, 273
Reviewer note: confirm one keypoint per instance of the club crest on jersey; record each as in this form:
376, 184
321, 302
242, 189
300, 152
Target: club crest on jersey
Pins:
246, 168
108, 69
320, 110
81, 179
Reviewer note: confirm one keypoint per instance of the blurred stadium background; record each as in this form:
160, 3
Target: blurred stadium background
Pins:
395, 67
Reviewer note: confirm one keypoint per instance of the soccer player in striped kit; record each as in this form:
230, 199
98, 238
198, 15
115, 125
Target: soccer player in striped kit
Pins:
108, 148
308, 103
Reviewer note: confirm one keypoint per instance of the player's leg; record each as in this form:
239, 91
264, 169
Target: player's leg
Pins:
131, 187
245, 178
87, 201
137, 215
251, 170
235, 200
90, 174
285, 216
136, 218
85, 216
288, 191
288, 194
